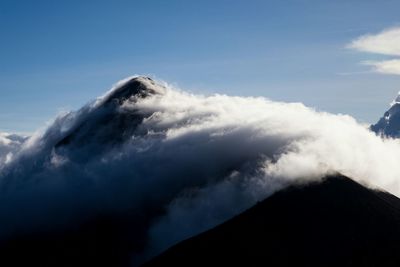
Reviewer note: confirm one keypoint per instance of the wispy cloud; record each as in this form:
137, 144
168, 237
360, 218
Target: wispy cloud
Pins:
387, 42
386, 66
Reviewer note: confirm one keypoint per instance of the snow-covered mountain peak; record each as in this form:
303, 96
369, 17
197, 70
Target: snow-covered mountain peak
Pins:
389, 124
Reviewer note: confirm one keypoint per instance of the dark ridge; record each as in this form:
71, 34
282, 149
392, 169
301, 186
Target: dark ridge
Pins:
337, 222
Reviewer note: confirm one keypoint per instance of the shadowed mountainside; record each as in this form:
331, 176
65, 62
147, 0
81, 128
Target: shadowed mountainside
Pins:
334, 223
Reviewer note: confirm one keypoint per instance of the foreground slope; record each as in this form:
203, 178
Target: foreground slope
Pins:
334, 223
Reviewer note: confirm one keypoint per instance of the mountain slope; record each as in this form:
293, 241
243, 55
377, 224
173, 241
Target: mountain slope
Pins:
106, 122
334, 223
389, 124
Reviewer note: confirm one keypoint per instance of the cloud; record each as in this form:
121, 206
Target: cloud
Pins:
175, 163
386, 42
9, 145
385, 67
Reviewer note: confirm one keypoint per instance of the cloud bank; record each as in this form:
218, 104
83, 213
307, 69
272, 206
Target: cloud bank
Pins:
386, 42
176, 163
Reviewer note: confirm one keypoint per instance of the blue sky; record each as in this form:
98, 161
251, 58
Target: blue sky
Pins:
58, 55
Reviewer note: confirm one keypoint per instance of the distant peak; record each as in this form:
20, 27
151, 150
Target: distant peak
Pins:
389, 124
396, 100
136, 86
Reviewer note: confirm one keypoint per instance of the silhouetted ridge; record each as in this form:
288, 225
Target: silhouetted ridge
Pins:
336, 222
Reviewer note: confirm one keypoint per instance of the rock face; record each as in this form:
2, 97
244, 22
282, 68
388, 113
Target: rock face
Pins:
334, 223
389, 124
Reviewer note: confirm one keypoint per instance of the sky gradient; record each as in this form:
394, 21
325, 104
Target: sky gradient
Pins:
56, 56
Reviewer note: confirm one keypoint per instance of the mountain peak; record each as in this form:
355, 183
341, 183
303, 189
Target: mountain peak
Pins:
396, 100
389, 124
136, 86
104, 122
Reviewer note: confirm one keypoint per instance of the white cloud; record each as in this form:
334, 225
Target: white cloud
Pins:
386, 42
198, 159
386, 67
9, 145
